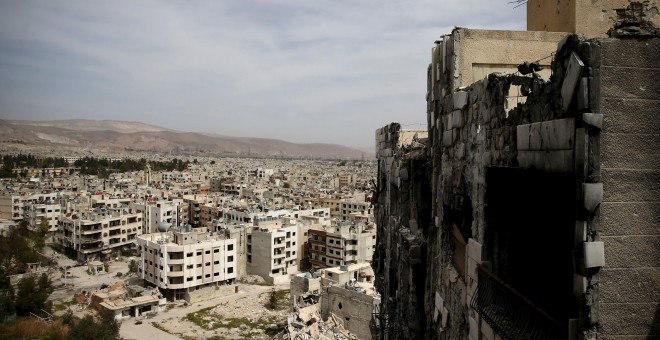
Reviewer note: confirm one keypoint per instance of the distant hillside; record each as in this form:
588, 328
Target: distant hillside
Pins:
119, 136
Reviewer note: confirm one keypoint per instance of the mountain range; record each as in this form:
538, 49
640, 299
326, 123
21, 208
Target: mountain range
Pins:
111, 136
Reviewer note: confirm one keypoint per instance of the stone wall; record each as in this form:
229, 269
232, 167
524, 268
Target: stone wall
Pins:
630, 173
592, 130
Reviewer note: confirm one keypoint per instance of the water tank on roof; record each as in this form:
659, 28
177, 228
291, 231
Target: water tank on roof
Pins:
164, 226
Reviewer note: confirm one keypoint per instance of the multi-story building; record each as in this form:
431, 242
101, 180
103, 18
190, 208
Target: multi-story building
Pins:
155, 212
49, 211
184, 260
343, 244
100, 233
349, 210
272, 250
12, 206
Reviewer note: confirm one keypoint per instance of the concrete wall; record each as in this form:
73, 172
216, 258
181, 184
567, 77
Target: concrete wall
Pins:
630, 173
559, 130
593, 18
353, 309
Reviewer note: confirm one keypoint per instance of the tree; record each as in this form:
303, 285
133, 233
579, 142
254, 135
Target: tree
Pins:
132, 266
7, 305
106, 328
32, 294
272, 300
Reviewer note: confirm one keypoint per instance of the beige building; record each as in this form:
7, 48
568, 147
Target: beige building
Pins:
272, 250
591, 18
184, 260
100, 233
343, 244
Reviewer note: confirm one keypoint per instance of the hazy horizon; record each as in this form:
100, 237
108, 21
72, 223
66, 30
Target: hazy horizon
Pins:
322, 72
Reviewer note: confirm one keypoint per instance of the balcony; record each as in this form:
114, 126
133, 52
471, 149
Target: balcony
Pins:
175, 273
511, 315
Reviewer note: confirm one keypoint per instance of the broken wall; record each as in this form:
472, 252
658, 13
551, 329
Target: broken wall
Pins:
353, 309
588, 17
593, 129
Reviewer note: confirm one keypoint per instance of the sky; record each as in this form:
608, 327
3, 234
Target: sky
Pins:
303, 71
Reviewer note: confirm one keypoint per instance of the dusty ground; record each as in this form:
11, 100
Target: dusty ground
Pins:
239, 315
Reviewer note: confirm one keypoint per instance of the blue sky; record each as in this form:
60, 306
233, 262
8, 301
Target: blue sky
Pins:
302, 71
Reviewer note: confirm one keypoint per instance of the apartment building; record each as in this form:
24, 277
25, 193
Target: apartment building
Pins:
155, 212
100, 233
272, 250
32, 208
184, 260
353, 210
342, 244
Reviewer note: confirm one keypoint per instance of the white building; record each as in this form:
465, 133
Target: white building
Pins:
181, 261
272, 250
159, 211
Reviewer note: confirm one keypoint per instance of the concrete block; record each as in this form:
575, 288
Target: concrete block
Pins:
460, 150
626, 150
474, 250
558, 161
593, 119
638, 53
630, 83
571, 77
457, 119
630, 116
487, 331
579, 285
448, 138
628, 185
471, 268
592, 195
632, 251
580, 232
583, 94
445, 316
460, 99
522, 137
531, 159
474, 328
573, 327
535, 139
629, 285
439, 301
557, 134
580, 159
619, 219
594, 254
632, 319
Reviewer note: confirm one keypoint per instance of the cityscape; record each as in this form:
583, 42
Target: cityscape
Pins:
526, 206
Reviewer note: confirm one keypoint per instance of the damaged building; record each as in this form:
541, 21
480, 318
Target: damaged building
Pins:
529, 207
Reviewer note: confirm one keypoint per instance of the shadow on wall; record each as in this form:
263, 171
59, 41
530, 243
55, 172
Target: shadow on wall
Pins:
654, 333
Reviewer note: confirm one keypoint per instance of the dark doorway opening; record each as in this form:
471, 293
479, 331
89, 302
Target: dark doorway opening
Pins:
530, 218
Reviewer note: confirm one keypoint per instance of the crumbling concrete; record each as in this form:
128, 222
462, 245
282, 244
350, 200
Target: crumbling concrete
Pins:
539, 196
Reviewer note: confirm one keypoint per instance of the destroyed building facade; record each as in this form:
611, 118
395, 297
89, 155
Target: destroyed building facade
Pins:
533, 221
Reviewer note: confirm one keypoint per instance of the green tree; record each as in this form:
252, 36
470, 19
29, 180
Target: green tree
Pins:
7, 305
106, 328
32, 294
133, 266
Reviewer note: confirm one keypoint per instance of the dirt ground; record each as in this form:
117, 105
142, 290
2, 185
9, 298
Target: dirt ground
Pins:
241, 315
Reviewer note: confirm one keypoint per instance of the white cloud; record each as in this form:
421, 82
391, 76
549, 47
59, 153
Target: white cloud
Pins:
305, 71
